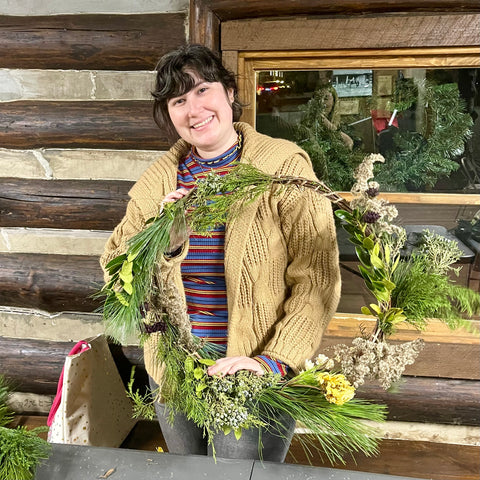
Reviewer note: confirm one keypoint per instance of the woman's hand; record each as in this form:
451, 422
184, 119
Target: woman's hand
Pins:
177, 238
230, 365
175, 195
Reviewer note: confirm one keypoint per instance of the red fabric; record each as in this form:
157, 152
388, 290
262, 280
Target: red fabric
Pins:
380, 119
78, 348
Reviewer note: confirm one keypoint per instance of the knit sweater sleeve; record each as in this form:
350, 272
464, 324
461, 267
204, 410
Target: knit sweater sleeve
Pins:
313, 273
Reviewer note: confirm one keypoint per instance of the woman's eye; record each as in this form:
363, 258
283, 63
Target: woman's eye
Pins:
202, 89
177, 101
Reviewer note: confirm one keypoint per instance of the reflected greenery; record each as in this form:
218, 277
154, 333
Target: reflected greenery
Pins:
424, 122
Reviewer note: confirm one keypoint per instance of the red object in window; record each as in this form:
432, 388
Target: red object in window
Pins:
381, 118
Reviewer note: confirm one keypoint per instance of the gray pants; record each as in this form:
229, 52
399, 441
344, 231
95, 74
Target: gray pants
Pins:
185, 438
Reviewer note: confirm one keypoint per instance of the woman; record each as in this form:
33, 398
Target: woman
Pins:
263, 288
331, 115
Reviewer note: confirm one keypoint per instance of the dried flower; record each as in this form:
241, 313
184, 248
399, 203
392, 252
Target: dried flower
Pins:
325, 362
370, 217
376, 360
337, 388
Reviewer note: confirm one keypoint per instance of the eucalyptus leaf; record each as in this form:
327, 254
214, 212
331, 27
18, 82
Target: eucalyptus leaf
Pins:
344, 215
206, 361
363, 256
116, 262
366, 311
122, 299
368, 243
128, 287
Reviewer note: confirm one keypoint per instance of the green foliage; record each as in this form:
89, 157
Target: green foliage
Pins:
21, 450
377, 264
420, 159
424, 294
332, 160
143, 405
245, 400
413, 290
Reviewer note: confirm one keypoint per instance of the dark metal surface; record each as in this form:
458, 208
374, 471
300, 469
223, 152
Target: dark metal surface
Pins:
70, 462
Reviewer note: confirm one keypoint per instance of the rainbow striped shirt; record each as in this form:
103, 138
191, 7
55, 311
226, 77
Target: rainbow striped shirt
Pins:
203, 272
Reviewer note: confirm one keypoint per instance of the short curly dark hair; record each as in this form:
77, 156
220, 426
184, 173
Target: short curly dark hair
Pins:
173, 80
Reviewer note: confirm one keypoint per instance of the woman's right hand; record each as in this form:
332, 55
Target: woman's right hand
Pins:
177, 237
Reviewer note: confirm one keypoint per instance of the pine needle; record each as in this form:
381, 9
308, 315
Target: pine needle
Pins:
21, 450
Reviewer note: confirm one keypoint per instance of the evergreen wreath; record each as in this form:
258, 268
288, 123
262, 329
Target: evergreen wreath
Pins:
321, 396
420, 159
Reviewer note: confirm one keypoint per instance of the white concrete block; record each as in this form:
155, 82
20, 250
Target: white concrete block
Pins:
57, 7
100, 164
52, 241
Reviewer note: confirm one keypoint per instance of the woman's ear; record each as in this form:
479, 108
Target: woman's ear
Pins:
231, 95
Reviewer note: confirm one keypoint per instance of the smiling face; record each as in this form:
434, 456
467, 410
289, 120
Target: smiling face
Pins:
203, 117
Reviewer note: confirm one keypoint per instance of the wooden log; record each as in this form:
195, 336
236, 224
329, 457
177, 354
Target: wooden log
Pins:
95, 124
54, 283
72, 204
100, 204
230, 9
405, 458
34, 366
107, 42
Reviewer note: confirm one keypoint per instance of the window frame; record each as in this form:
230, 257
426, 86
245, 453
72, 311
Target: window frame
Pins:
250, 62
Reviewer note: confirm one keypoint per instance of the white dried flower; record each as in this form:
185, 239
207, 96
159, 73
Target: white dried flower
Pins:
324, 362
309, 364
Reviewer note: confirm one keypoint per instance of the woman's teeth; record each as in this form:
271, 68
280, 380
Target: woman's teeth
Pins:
201, 124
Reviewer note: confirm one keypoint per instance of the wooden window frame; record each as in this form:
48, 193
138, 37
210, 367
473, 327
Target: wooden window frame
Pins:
251, 62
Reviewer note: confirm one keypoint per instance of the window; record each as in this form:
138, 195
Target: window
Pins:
396, 102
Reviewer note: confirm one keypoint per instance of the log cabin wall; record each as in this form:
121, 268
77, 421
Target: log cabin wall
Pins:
76, 132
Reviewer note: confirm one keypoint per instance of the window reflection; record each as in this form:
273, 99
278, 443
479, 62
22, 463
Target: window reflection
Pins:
424, 121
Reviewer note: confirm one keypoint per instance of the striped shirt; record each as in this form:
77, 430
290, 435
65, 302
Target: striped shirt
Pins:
202, 270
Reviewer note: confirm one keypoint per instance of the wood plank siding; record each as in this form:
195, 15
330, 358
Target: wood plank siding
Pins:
105, 42
94, 124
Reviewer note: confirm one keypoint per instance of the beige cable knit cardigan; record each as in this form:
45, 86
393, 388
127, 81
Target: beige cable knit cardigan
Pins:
281, 256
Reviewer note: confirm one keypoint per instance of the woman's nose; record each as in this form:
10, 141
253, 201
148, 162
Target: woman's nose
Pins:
194, 107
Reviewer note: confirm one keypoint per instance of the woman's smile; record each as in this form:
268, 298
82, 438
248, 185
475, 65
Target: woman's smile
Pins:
201, 124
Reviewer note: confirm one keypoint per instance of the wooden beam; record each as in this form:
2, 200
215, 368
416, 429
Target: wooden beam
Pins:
204, 25
202, 12
54, 283
94, 124
351, 33
72, 204
100, 204
106, 42
34, 366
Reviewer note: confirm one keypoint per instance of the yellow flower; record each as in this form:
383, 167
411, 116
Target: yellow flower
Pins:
337, 388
